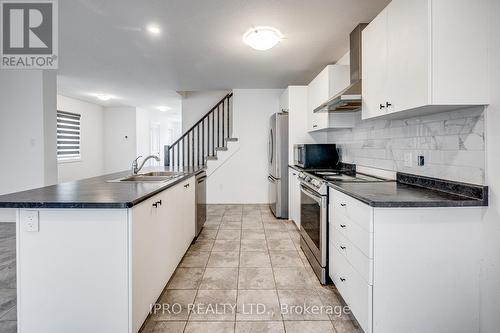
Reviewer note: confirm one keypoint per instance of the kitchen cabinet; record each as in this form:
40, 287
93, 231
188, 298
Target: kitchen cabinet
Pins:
425, 56
294, 196
162, 230
405, 269
326, 84
115, 260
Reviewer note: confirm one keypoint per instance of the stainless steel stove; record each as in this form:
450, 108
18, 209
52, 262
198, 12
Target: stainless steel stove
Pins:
314, 213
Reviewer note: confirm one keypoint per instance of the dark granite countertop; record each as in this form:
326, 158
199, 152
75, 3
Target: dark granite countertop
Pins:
95, 192
410, 190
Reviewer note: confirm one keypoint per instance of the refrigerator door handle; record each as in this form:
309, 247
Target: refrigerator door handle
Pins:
271, 146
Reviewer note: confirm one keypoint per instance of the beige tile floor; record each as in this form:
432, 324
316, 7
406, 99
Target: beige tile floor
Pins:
245, 260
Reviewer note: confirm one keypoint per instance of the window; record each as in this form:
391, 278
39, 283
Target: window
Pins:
68, 136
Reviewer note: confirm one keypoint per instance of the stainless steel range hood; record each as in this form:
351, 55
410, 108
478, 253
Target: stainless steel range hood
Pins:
349, 99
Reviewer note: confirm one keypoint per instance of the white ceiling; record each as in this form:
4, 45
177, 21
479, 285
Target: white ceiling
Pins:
104, 47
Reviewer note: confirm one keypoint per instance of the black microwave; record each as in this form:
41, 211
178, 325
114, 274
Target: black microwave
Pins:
316, 156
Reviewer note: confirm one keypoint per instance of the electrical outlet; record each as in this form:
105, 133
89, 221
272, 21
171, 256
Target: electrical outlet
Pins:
420, 160
408, 159
31, 221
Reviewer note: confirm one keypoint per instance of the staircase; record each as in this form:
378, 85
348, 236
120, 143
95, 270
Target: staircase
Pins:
201, 143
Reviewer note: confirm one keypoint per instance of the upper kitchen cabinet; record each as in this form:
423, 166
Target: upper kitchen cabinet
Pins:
327, 84
425, 56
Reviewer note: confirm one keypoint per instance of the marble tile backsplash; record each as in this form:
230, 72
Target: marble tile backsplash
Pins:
452, 144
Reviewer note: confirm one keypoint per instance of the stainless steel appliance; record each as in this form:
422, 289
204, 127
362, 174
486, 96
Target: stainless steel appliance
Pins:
314, 213
314, 223
316, 156
201, 200
349, 99
278, 164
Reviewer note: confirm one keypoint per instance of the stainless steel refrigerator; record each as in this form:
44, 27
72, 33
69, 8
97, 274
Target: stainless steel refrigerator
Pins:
278, 164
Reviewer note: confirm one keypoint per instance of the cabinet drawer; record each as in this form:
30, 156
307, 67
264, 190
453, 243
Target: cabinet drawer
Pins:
361, 263
351, 208
352, 287
360, 237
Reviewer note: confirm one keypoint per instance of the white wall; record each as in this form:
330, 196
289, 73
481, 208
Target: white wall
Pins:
120, 141
297, 120
490, 235
170, 130
345, 60
27, 130
92, 140
243, 178
196, 104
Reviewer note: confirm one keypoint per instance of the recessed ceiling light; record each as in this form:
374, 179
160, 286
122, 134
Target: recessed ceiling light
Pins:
153, 29
163, 108
103, 97
262, 38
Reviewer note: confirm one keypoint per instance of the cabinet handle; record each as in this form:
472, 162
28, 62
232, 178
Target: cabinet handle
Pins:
314, 126
342, 225
381, 106
159, 202
387, 104
342, 279
343, 204
186, 186
294, 174
342, 247
155, 205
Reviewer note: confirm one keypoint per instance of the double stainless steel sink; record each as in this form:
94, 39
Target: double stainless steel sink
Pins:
149, 177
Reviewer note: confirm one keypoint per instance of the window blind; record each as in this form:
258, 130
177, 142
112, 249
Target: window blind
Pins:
68, 136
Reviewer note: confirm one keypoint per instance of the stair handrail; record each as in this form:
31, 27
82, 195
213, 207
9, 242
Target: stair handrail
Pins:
202, 118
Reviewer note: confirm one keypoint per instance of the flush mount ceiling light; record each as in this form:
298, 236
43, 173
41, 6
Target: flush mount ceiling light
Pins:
153, 29
103, 97
262, 38
163, 108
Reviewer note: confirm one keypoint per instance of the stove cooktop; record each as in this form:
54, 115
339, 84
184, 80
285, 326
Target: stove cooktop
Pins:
344, 176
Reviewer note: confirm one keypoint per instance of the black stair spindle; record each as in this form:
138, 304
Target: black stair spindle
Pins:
218, 126
229, 118
213, 133
203, 141
223, 123
188, 151
192, 145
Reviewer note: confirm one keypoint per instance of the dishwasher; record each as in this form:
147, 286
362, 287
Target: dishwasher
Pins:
201, 200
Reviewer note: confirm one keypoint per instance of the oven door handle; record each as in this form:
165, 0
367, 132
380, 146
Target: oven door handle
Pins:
311, 195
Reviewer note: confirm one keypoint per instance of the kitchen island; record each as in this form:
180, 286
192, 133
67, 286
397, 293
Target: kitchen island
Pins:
93, 255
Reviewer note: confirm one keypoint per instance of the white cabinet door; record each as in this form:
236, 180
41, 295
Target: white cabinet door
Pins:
374, 64
317, 94
147, 276
407, 55
294, 196
328, 83
423, 56
162, 228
